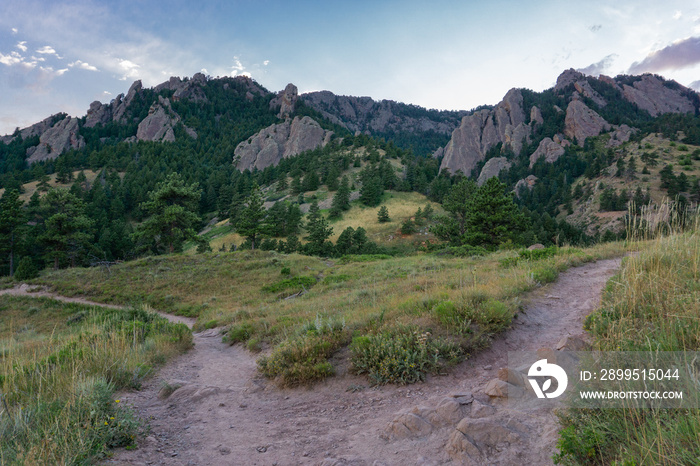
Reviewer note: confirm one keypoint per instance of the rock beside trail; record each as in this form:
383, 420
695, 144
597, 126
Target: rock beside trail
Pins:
278, 141
478, 441
492, 168
62, 136
581, 122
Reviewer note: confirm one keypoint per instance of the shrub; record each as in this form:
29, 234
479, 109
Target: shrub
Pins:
26, 270
401, 357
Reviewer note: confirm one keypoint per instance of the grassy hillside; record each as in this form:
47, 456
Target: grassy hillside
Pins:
303, 309
60, 365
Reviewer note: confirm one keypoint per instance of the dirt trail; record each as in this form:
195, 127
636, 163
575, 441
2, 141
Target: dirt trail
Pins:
34, 291
224, 413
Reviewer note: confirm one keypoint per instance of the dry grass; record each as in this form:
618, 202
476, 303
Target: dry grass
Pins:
30, 188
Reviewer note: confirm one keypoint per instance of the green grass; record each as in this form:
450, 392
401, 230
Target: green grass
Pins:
60, 365
653, 304
246, 293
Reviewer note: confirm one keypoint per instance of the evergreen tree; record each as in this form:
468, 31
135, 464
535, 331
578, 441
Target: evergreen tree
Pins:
383, 215
341, 200
251, 223
453, 226
318, 232
282, 183
172, 207
12, 220
67, 230
296, 186
310, 182
371, 191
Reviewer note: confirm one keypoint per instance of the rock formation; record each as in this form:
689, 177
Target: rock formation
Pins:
54, 141
651, 94
484, 129
121, 103
581, 122
528, 183
620, 135
492, 168
362, 114
160, 123
286, 101
98, 114
282, 140
549, 149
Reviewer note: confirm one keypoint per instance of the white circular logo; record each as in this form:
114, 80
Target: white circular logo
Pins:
544, 369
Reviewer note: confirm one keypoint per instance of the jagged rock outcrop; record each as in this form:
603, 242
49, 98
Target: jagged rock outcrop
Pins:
492, 168
536, 116
282, 140
650, 94
549, 149
584, 88
286, 101
621, 135
567, 77
364, 115
98, 114
484, 129
160, 123
188, 89
121, 103
54, 141
581, 122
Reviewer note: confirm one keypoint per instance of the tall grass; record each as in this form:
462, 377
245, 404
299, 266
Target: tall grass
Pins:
652, 304
58, 405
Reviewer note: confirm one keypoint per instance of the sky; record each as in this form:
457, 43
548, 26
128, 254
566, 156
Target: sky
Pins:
59, 56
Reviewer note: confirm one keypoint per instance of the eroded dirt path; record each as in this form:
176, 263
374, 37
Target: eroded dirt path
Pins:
224, 413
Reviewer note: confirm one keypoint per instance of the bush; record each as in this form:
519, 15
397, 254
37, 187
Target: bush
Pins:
401, 357
26, 270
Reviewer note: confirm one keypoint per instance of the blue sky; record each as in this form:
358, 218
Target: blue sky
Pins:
58, 56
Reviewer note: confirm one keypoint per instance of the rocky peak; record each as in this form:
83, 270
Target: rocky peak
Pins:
121, 103
651, 94
278, 141
98, 113
484, 129
55, 140
549, 149
569, 76
286, 101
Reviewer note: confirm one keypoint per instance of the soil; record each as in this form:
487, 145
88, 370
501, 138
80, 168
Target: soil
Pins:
211, 407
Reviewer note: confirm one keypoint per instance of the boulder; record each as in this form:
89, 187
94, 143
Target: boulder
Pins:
474, 441
536, 116
549, 149
492, 168
278, 141
535, 247
581, 122
62, 136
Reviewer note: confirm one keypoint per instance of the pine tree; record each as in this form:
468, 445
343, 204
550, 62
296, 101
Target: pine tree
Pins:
318, 231
172, 206
12, 219
251, 223
67, 230
453, 226
383, 215
341, 200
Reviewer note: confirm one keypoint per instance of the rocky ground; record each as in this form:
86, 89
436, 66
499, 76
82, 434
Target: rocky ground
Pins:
211, 407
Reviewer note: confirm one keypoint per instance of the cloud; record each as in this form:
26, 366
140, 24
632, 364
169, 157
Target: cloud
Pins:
15, 58
595, 28
48, 50
128, 69
695, 85
14, 31
678, 14
82, 65
237, 67
599, 68
22, 45
681, 54
266, 62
